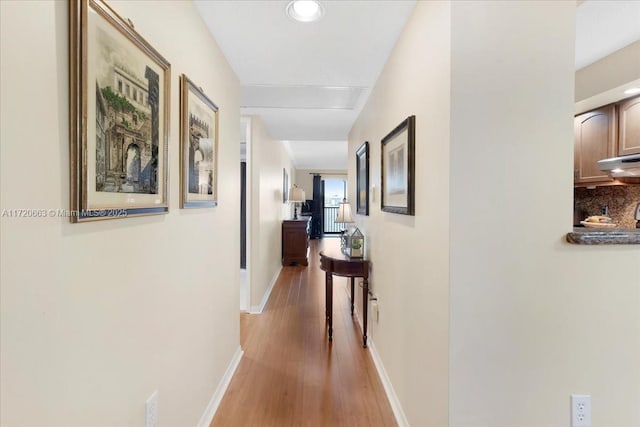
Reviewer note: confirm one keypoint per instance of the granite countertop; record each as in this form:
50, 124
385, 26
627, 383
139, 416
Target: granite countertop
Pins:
609, 236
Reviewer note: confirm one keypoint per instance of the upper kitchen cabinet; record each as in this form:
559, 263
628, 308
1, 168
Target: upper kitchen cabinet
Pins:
629, 126
595, 139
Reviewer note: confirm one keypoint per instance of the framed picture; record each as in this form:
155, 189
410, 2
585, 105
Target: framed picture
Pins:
198, 147
285, 186
398, 169
119, 117
362, 179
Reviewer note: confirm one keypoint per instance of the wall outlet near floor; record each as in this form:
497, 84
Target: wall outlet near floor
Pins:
580, 410
151, 412
375, 308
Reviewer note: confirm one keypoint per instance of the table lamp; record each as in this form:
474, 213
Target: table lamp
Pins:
296, 195
344, 217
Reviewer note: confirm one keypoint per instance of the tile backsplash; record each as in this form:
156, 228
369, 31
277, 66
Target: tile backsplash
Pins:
621, 201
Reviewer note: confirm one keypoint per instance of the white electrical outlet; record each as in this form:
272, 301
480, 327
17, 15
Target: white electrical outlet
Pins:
375, 309
580, 410
151, 417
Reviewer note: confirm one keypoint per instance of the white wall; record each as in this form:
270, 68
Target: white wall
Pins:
97, 316
268, 159
533, 319
487, 316
409, 254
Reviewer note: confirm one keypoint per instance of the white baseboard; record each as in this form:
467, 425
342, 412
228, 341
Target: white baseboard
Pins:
401, 418
257, 309
212, 407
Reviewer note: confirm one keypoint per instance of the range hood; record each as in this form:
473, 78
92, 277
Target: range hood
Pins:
621, 167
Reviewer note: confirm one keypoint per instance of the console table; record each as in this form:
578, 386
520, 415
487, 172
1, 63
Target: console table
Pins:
333, 261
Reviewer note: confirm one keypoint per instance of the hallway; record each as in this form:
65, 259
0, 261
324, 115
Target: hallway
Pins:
291, 375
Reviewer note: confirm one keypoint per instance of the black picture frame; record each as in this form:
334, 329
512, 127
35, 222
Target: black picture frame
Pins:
398, 169
362, 179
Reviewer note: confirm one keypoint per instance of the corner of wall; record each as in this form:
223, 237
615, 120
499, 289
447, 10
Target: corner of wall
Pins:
268, 209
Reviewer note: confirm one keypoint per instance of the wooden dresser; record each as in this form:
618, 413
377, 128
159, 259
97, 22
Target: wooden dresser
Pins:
295, 241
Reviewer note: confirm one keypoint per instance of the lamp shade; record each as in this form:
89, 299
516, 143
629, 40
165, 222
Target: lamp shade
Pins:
296, 194
344, 213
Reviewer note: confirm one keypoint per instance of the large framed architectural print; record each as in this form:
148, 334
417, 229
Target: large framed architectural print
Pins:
398, 169
119, 117
198, 147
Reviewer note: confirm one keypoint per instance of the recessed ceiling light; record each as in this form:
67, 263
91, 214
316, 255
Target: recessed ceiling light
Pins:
305, 10
632, 91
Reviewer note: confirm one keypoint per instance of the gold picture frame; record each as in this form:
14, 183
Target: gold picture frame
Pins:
198, 147
119, 93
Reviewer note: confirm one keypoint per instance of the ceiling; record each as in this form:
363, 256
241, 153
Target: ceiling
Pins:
602, 27
309, 81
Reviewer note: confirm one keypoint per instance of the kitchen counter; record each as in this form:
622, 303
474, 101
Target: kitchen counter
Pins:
610, 236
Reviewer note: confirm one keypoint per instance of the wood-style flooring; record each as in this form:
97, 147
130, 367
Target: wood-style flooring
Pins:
290, 374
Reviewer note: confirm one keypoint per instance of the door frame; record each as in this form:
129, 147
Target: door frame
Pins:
245, 291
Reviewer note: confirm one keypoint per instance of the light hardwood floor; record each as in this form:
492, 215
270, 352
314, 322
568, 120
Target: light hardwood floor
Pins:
291, 375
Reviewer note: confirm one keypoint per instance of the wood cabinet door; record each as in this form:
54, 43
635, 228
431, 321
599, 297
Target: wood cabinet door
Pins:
629, 126
295, 242
595, 138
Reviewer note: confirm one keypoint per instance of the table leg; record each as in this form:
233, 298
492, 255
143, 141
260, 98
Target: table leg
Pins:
330, 304
352, 294
365, 309
326, 295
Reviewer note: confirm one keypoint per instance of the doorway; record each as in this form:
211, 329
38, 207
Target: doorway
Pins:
334, 192
245, 214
